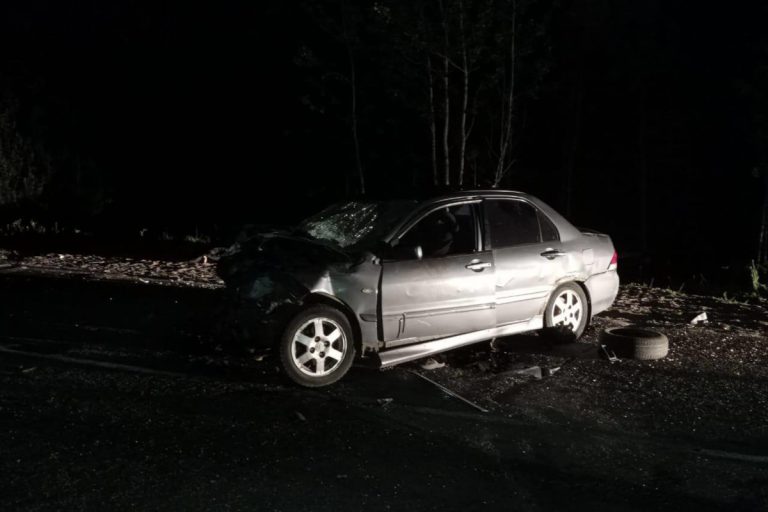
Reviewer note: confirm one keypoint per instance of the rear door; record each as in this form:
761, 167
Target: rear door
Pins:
527, 254
449, 290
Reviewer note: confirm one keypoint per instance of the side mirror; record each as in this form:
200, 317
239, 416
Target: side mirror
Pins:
402, 252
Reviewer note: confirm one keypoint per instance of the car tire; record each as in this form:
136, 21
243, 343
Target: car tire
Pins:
317, 347
567, 314
635, 343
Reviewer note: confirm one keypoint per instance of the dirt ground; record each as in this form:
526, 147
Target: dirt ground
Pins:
113, 395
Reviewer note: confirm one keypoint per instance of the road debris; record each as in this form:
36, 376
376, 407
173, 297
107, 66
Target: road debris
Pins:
384, 401
91, 266
90, 362
533, 371
432, 364
608, 354
300, 416
700, 319
745, 457
450, 392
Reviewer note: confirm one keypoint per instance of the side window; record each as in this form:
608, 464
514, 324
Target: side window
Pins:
549, 232
444, 232
511, 223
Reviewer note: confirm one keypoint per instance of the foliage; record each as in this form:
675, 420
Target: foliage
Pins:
25, 168
755, 272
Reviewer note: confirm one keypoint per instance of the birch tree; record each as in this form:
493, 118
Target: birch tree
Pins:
504, 159
348, 43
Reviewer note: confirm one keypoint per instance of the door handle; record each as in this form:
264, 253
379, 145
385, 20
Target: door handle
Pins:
552, 254
478, 266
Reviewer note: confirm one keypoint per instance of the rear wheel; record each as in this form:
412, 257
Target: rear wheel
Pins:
317, 347
567, 313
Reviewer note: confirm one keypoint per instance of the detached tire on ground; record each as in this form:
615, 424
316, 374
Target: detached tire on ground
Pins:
635, 343
317, 347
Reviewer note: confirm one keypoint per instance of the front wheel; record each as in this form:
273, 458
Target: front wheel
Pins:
567, 313
317, 347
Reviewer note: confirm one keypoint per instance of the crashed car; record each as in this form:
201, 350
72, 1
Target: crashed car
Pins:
396, 281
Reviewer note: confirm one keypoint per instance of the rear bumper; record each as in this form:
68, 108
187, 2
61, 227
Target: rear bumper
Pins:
602, 289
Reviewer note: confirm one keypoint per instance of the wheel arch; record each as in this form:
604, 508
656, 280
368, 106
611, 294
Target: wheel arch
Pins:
581, 284
584, 288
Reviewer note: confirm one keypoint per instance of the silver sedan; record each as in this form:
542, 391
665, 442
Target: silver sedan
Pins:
395, 281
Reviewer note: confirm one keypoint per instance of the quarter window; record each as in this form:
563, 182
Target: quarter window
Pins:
511, 223
549, 232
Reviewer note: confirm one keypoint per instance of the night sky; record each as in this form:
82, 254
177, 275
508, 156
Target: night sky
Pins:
171, 114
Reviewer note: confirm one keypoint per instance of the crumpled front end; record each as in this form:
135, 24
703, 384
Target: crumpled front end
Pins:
268, 278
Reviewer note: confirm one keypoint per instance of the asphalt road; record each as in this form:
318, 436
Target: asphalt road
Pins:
113, 397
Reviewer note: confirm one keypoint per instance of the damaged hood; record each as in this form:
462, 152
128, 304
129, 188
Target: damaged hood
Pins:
279, 252
330, 240
275, 269
281, 267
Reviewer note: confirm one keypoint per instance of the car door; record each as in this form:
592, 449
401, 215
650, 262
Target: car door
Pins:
527, 256
449, 290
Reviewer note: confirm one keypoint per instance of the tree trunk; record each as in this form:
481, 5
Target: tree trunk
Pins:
465, 99
353, 100
447, 102
432, 127
507, 126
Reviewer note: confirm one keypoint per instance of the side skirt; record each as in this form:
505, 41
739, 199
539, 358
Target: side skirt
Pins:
428, 348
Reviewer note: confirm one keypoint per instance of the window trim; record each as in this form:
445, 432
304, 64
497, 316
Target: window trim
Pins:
487, 226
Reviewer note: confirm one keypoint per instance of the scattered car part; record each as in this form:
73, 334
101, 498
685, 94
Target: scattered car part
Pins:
610, 355
432, 364
450, 392
635, 342
700, 319
533, 371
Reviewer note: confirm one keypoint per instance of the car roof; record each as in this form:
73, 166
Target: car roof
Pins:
566, 229
480, 193
437, 195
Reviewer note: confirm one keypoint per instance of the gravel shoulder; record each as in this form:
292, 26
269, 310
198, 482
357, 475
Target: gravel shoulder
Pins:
186, 423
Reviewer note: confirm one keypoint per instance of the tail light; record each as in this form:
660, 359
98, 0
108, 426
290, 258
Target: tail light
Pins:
614, 261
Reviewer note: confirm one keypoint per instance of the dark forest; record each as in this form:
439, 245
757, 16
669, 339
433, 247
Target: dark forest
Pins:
646, 120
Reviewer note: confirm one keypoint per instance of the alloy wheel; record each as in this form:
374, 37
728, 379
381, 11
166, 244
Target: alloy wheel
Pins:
567, 310
318, 347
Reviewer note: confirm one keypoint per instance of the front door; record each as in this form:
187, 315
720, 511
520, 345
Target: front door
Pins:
449, 290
